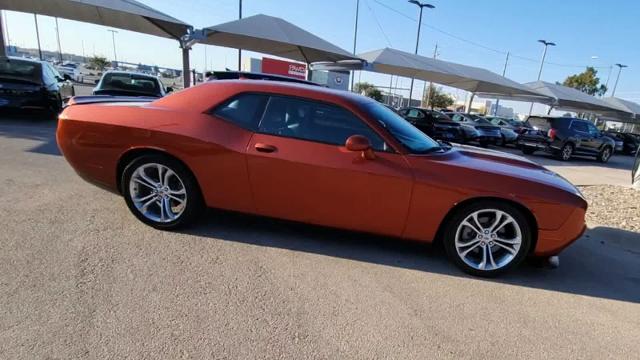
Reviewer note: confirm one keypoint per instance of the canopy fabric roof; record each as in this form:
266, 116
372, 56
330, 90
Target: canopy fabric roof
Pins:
570, 99
479, 81
274, 36
627, 105
122, 14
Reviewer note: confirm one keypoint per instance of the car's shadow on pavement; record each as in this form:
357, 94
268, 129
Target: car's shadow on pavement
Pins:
30, 127
604, 263
617, 161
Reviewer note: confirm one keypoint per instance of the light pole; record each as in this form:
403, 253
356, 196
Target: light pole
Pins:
421, 6
113, 39
620, 67
504, 72
544, 55
355, 38
239, 50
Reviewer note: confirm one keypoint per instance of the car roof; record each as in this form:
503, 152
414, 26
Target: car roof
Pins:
15, 58
121, 72
199, 97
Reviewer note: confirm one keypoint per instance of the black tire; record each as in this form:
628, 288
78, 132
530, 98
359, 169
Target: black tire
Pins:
502, 142
605, 154
451, 229
566, 152
528, 150
194, 203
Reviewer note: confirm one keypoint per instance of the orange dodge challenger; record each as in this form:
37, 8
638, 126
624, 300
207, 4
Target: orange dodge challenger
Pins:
310, 154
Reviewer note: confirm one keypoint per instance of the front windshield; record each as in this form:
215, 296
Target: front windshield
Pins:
515, 122
480, 120
412, 138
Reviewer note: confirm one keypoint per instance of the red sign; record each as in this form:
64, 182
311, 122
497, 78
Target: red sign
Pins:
285, 68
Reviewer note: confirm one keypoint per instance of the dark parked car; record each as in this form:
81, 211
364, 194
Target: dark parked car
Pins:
516, 125
487, 133
122, 83
433, 123
32, 85
565, 137
629, 143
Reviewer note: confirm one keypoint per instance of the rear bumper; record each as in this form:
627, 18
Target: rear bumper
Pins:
24, 103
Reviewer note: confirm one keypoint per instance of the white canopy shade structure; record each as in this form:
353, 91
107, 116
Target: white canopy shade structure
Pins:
122, 14
570, 99
274, 36
629, 106
478, 81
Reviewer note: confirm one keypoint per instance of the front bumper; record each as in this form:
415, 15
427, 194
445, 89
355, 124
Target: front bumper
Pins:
552, 242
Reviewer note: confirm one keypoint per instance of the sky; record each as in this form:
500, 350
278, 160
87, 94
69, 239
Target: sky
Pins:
477, 33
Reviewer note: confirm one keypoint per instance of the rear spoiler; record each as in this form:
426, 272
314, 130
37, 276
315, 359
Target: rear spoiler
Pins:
97, 99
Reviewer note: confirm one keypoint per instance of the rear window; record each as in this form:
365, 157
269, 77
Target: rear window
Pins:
130, 82
539, 123
18, 69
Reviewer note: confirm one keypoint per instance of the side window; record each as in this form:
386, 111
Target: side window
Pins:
458, 117
579, 126
314, 121
593, 130
415, 113
243, 110
48, 76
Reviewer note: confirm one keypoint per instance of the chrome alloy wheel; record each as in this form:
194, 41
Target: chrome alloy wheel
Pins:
606, 153
567, 151
157, 192
488, 239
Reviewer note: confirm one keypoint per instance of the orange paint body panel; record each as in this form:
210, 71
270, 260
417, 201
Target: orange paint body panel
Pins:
396, 193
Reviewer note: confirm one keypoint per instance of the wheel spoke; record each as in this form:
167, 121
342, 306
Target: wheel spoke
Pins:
511, 250
513, 241
167, 209
147, 178
483, 264
508, 221
144, 198
181, 201
144, 182
160, 179
146, 205
469, 249
475, 219
166, 177
177, 192
490, 253
469, 225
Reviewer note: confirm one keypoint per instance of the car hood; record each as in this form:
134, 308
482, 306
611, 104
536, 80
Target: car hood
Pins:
472, 161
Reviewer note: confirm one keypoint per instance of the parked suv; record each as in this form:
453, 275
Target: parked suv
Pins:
565, 137
433, 123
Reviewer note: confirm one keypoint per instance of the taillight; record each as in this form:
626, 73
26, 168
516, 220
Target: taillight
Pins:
552, 134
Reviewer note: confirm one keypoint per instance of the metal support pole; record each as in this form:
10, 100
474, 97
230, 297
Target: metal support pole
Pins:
544, 55
35, 19
355, 38
239, 50
428, 90
3, 48
504, 72
390, 85
471, 102
58, 37
185, 67
113, 40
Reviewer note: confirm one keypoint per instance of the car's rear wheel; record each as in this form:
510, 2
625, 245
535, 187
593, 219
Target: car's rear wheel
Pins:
161, 192
566, 152
528, 150
604, 155
501, 142
487, 238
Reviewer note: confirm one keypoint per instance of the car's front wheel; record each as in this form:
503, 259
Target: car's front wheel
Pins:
566, 152
161, 192
487, 238
605, 154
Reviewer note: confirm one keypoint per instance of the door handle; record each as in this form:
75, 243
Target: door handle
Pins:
265, 148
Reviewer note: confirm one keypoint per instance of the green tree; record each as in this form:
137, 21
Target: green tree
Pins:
436, 98
98, 62
587, 82
368, 89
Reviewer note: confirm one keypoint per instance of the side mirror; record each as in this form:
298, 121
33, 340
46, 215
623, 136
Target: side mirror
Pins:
362, 144
66, 77
96, 81
169, 89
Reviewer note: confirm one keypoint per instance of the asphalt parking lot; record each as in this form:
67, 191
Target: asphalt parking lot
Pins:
82, 278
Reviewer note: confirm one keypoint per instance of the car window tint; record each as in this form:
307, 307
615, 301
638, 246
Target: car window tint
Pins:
315, 121
593, 130
243, 110
47, 76
415, 113
579, 126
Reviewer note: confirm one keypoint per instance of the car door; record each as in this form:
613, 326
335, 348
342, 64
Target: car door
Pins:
596, 139
65, 87
300, 170
583, 139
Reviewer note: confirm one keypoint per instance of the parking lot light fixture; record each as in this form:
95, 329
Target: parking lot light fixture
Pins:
620, 67
544, 56
421, 6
